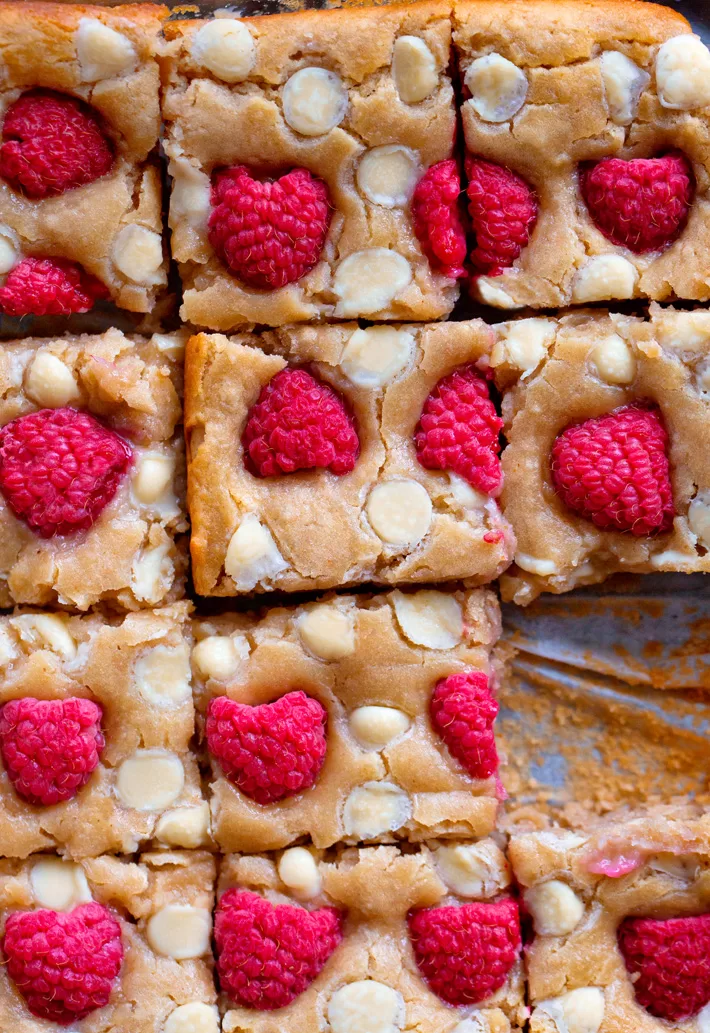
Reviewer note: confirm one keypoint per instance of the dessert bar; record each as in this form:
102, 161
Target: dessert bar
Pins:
327, 456
333, 720
310, 153
370, 939
96, 719
621, 918
92, 475
129, 944
606, 468
80, 195
587, 131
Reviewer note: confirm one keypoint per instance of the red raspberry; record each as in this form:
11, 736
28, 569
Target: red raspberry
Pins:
271, 751
50, 747
503, 210
268, 233
613, 470
463, 711
64, 965
668, 960
52, 143
60, 468
268, 954
437, 218
459, 430
640, 204
49, 287
299, 423
465, 953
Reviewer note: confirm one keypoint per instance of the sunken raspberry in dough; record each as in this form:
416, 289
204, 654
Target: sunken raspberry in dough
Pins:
304, 739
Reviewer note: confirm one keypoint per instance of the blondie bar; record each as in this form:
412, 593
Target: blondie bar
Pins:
80, 197
308, 151
621, 916
372, 939
92, 476
96, 719
334, 719
606, 467
130, 944
587, 129
327, 456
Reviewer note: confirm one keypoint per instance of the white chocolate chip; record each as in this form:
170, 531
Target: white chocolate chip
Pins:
252, 555
102, 52
152, 573
366, 1006
399, 512
314, 101
671, 559
138, 253
555, 907
172, 345
579, 1011
217, 657
224, 47
683, 331
45, 631
162, 675
524, 344
387, 175
413, 69
473, 869
614, 360
498, 87
193, 1018
191, 192
8, 649
465, 495
536, 565
490, 294
699, 518
150, 780
683, 73
50, 383
475, 1024
429, 618
703, 1019
153, 477
9, 249
186, 827
59, 885
603, 277
375, 727
298, 870
374, 356
624, 82
180, 931
367, 281
327, 632
375, 808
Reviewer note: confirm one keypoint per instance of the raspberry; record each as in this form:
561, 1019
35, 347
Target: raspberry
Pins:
437, 218
299, 423
50, 747
503, 210
268, 233
668, 960
49, 287
268, 954
613, 470
271, 751
59, 469
465, 953
459, 430
52, 143
64, 965
640, 204
463, 711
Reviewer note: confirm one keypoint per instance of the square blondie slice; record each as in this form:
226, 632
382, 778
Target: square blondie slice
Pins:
333, 720
621, 918
374, 938
323, 457
96, 720
80, 189
606, 466
587, 128
296, 143
130, 944
92, 471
